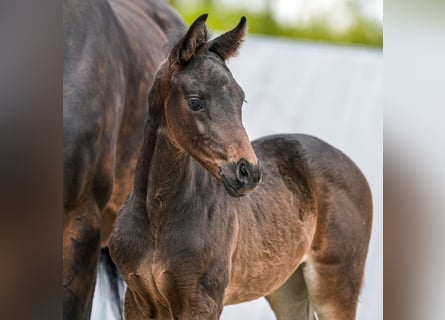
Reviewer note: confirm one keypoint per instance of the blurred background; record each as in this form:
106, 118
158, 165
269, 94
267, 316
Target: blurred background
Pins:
353, 22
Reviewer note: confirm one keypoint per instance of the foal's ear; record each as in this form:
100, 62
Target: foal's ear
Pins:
195, 38
227, 44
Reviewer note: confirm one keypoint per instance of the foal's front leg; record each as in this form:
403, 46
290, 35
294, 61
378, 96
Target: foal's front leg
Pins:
194, 295
137, 309
199, 306
190, 303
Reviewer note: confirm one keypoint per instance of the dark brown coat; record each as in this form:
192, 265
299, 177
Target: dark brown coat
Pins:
111, 52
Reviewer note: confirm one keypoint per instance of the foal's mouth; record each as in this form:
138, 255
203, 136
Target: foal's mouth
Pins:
229, 188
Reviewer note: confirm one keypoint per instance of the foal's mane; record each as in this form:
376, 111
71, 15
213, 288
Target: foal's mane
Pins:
152, 122
188, 46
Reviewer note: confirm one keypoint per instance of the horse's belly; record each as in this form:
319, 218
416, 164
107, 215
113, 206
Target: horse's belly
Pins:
268, 251
263, 278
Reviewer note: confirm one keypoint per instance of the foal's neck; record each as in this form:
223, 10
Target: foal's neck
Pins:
172, 174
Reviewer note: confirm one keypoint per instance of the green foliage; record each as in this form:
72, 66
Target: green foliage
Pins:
361, 31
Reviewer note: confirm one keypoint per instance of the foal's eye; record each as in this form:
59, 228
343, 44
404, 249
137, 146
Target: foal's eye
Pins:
194, 103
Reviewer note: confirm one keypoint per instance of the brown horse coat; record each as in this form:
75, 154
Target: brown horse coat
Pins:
111, 52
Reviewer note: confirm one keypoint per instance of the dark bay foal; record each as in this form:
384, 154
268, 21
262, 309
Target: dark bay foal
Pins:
194, 236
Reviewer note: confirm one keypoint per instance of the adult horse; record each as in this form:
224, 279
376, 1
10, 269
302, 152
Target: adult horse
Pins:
194, 236
112, 49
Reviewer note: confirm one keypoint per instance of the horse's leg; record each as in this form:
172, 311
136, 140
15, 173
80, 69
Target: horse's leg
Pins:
333, 269
192, 307
202, 308
134, 310
81, 242
333, 290
290, 301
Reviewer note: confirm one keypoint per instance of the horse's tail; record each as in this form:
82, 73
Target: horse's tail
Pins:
108, 295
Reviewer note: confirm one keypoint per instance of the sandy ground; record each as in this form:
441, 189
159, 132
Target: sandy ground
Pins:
334, 93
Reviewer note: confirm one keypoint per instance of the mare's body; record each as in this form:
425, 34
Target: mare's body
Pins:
193, 234
108, 70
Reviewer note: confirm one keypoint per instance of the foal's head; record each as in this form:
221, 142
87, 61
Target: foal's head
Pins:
202, 106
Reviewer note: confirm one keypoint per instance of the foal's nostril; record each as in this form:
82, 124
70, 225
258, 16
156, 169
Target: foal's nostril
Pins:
242, 171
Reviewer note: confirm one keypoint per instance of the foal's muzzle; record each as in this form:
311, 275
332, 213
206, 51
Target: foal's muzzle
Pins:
241, 178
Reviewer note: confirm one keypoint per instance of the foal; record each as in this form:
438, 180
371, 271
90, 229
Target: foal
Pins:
193, 236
